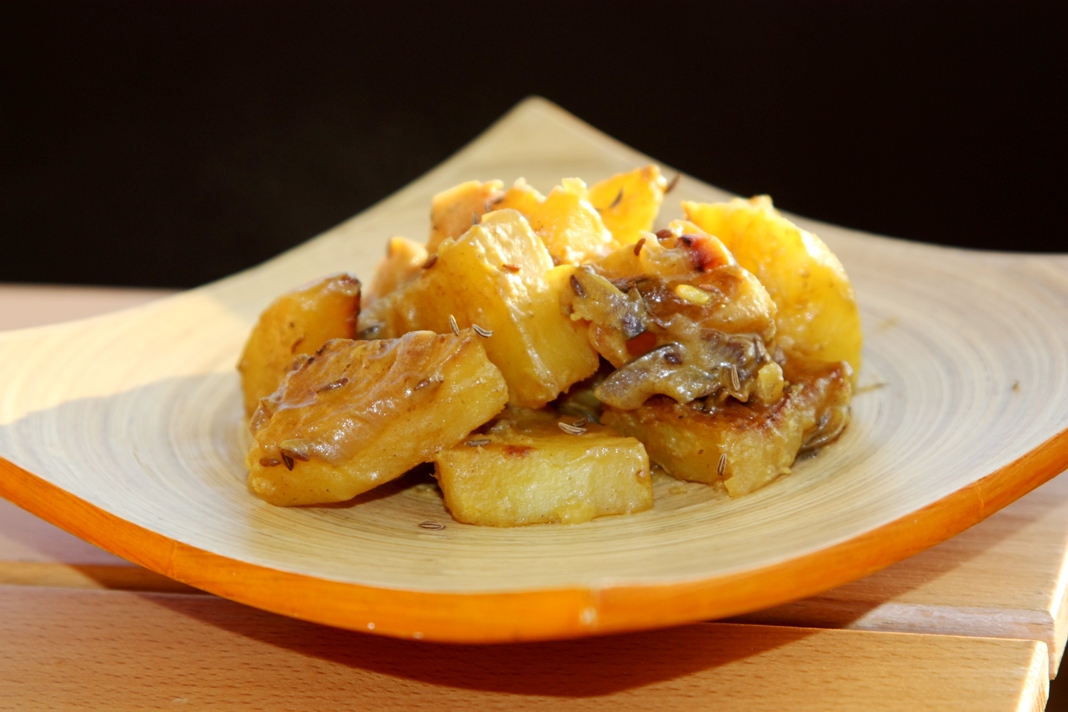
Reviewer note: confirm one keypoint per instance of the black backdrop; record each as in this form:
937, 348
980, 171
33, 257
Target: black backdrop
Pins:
172, 143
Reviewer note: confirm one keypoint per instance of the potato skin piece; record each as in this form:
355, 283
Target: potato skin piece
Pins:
361, 413
755, 442
296, 323
530, 473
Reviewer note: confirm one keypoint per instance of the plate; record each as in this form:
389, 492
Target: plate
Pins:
127, 431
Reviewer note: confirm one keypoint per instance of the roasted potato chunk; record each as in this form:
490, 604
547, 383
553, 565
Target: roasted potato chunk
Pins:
533, 472
629, 202
817, 313
566, 221
294, 324
744, 446
360, 413
404, 260
496, 277
454, 211
522, 198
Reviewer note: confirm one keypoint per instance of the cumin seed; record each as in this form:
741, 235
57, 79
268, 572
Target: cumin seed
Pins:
576, 287
331, 386
571, 429
294, 455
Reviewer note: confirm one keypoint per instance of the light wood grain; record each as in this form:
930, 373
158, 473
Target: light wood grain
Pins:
112, 650
1006, 577
134, 440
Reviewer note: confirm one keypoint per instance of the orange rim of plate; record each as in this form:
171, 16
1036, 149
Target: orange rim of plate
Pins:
543, 614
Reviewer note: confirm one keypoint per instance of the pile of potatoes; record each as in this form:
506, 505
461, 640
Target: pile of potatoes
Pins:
543, 351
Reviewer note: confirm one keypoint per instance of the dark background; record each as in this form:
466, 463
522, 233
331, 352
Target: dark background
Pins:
170, 144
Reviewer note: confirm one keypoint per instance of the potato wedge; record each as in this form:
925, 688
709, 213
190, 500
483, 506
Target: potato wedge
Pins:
817, 312
404, 260
629, 202
296, 323
566, 221
745, 446
496, 276
534, 472
454, 211
360, 413
521, 197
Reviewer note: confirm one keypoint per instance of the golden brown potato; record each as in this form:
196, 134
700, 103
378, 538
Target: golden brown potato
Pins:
745, 446
404, 260
817, 313
522, 198
496, 277
530, 471
296, 323
454, 211
629, 202
360, 413
720, 347
566, 221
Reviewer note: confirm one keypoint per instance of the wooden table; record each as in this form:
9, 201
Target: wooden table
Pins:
977, 623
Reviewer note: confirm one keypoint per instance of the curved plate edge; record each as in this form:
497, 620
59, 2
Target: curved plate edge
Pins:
549, 614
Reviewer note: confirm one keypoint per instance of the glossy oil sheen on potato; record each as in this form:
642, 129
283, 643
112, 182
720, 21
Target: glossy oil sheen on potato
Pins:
361, 413
294, 324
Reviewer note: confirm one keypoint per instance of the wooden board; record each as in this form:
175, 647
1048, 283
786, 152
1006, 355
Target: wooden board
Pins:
115, 650
1006, 577
133, 440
